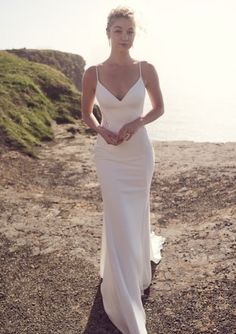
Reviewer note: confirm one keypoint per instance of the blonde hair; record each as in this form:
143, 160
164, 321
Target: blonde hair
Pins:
119, 12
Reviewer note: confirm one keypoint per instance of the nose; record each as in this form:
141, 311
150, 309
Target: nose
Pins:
125, 36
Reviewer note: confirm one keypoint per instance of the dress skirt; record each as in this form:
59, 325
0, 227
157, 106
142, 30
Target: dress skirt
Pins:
125, 173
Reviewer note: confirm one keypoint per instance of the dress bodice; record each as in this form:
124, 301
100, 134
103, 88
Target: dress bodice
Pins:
115, 112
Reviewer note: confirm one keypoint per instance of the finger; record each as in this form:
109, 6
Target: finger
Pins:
128, 135
113, 140
123, 134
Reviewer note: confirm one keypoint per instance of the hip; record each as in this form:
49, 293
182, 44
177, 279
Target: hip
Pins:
138, 146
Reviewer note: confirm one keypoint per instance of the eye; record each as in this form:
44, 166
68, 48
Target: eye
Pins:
130, 32
118, 31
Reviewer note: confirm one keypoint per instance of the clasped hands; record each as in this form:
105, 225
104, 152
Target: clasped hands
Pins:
125, 133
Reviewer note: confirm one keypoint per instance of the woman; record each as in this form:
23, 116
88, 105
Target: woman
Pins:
125, 163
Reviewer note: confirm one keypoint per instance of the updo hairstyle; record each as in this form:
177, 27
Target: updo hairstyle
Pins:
119, 12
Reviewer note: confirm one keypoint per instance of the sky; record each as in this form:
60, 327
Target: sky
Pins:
190, 42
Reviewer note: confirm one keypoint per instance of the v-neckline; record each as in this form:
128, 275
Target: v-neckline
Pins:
120, 100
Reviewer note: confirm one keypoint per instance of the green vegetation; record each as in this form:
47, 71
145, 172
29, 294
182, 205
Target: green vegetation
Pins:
71, 65
31, 96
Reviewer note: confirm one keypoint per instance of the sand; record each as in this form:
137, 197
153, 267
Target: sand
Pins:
50, 232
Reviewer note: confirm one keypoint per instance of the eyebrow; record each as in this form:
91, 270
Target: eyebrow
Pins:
121, 27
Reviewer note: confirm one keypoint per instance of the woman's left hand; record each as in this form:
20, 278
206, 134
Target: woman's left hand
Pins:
127, 130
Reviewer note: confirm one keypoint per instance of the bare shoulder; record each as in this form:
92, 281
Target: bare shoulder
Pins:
146, 66
90, 77
149, 72
90, 72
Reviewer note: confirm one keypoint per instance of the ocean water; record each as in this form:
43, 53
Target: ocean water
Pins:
195, 118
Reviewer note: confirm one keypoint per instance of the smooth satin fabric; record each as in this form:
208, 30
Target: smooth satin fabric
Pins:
128, 245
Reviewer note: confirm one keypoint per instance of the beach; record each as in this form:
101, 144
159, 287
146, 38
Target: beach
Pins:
51, 225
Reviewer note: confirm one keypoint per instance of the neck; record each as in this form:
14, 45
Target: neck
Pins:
120, 57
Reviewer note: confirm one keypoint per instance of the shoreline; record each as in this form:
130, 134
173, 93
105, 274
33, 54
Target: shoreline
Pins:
192, 141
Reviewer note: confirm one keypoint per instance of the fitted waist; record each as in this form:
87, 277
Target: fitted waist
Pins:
138, 145
114, 124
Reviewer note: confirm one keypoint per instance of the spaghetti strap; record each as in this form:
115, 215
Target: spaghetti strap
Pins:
140, 69
97, 72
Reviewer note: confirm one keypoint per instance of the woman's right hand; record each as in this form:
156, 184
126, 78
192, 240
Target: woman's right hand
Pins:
109, 136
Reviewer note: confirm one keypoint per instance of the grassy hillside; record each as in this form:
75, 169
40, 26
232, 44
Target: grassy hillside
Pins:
31, 95
71, 65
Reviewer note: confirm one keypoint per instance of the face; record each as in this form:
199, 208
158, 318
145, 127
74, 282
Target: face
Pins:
122, 33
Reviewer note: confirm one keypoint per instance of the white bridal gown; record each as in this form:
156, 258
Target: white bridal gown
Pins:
125, 173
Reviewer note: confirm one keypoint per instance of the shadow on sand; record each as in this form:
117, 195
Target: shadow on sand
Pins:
98, 322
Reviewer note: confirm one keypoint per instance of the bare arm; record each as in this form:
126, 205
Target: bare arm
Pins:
88, 97
151, 82
153, 88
